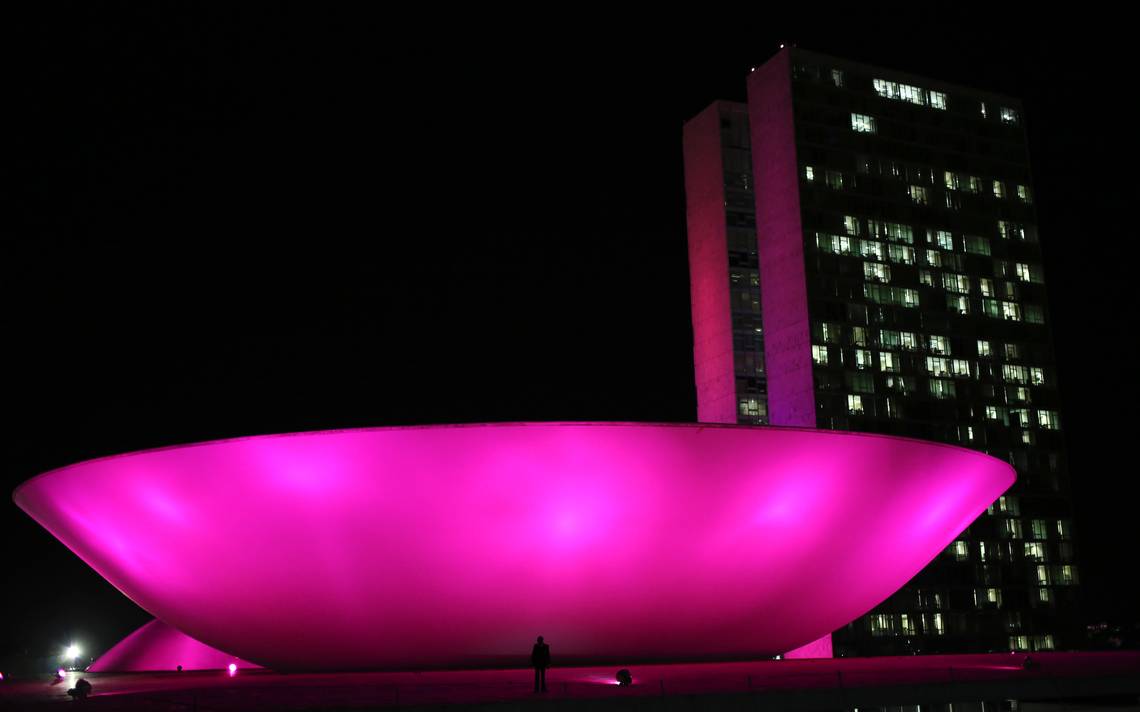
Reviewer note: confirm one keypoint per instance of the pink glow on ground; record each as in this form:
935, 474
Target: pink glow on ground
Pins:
456, 545
156, 646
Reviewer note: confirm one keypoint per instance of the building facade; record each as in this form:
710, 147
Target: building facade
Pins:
864, 256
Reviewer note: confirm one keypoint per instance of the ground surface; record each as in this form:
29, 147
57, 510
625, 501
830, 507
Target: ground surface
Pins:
844, 677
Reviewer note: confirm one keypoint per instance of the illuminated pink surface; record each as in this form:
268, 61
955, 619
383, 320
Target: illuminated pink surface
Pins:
708, 267
779, 229
157, 646
456, 545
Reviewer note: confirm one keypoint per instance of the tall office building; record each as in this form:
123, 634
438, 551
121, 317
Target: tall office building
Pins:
864, 256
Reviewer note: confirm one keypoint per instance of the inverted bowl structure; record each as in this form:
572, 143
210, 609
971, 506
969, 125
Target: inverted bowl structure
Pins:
457, 545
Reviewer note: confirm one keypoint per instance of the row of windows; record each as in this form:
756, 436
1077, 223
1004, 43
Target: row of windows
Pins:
923, 175
942, 388
864, 123
865, 382
1024, 417
917, 194
861, 336
900, 91
973, 184
1032, 643
832, 333
1006, 229
908, 93
883, 624
890, 362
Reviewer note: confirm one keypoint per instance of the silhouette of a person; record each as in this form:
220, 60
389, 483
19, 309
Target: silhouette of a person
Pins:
540, 660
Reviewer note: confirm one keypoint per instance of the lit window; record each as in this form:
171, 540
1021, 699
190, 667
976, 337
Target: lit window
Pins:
939, 345
960, 367
830, 332
1011, 528
859, 335
888, 361
809, 173
752, 409
960, 550
986, 286
1042, 575
1008, 115
950, 180
983, 347
1064, 574
937, 365
1043, 595
1022, 271
1049, 419
900, 254
938, 100
1010, 311
942, 238
1013, 372
912, 94
894, 232
998, 413
958, 303
908, 340
983, 109
942, 389
1011, 231
1034, 551
1023, 194
956, 283
837, 77
882, 624
862, 123
851, 224
999, 189
973, 184
885, 89
863, 359
854, 404
1038, 529
932, 257
872, 249
938, 627
918, 195
835, 244
1012, 351
1037, 376
876, 272
926, 277
1064, 529
906, 623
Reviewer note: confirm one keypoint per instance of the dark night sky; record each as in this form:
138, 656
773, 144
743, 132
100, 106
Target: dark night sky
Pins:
254, 221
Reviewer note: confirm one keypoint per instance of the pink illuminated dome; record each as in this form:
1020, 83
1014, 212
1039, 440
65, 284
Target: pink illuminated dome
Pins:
420, 547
